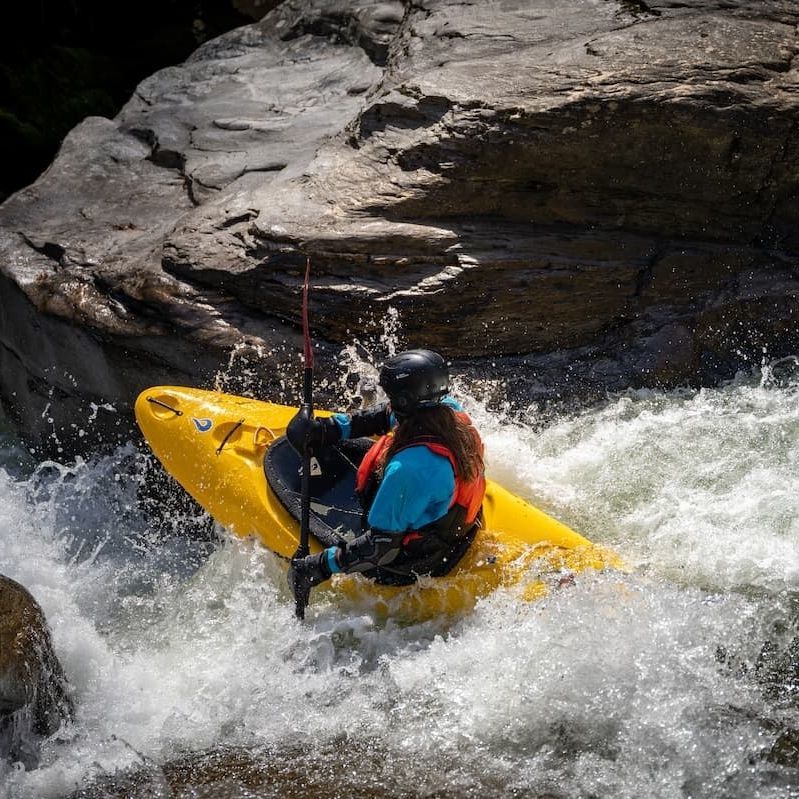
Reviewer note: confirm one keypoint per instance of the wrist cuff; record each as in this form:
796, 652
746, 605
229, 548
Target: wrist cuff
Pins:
332, 564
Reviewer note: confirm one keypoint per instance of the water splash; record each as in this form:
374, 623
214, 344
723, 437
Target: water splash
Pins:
359, 362
672, 680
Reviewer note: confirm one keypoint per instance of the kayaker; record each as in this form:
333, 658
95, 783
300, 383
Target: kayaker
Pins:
421, 483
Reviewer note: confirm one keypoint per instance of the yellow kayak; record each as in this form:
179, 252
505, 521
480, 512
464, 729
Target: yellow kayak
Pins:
231, 455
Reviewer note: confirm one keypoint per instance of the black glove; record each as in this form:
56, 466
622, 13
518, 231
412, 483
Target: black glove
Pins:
310, 570
374, 421
306, 431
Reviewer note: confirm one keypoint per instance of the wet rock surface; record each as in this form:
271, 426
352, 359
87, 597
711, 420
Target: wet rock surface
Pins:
34, 698
240, 773
575, 196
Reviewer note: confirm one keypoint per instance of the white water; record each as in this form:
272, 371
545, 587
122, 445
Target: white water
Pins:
638, 685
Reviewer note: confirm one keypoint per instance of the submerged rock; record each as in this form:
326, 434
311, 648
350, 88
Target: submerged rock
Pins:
229, 772
298, 772
34, 697
785, 750
579, 196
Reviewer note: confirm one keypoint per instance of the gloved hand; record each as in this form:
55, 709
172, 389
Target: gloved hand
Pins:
310, 570
306, 431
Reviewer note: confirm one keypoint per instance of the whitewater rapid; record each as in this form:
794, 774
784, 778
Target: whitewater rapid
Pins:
645, 683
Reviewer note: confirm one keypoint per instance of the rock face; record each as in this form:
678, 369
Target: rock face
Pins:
33, 691
581, 195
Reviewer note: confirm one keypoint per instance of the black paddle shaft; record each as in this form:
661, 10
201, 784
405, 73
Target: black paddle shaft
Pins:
300, 585
305, 483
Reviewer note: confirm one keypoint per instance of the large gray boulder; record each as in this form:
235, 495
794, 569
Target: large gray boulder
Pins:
34, 694
579, 195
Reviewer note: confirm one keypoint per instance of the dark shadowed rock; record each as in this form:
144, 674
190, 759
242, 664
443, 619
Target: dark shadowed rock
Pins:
580, 195
256, 9
34, 699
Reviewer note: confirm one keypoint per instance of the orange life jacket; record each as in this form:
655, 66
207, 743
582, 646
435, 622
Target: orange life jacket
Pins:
468, 495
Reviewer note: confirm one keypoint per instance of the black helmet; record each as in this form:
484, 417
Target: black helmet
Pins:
414, 379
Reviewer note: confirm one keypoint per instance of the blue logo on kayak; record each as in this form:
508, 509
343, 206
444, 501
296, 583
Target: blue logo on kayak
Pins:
203, 425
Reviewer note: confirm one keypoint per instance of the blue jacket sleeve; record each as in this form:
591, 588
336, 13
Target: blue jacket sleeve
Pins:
372, 422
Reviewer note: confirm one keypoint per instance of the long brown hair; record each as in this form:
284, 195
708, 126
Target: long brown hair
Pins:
441, 424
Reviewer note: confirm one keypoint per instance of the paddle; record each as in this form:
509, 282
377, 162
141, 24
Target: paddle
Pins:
301, 588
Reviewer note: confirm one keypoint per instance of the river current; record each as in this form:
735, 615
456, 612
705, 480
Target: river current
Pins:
676, 678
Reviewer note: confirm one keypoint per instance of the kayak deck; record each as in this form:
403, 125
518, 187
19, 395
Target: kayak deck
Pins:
336, 513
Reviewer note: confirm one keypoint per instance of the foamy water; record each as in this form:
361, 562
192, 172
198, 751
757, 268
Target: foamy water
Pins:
645, 684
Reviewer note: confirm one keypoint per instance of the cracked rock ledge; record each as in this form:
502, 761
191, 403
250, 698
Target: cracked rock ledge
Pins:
567, 196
